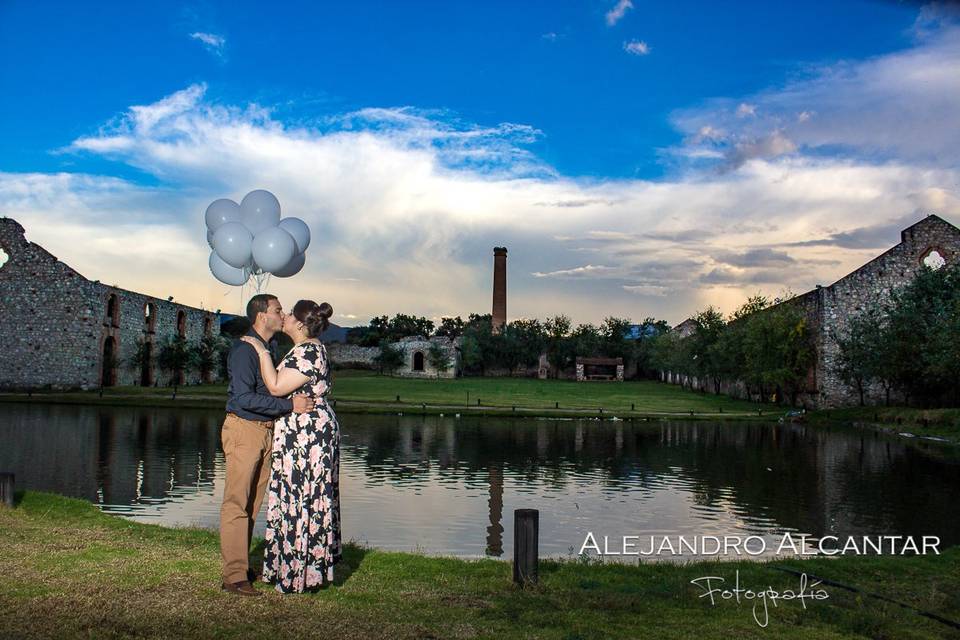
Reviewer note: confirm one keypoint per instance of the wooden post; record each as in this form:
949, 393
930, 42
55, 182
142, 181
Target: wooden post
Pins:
526, 532
6, 489
398, 398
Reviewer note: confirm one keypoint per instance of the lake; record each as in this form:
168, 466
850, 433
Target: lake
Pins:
448, 486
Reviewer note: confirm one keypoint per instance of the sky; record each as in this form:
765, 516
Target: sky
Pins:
637, 159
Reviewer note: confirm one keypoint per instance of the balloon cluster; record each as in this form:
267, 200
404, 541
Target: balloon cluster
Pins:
250, 239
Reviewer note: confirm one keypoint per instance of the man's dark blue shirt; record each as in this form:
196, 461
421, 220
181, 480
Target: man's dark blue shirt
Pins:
247, 395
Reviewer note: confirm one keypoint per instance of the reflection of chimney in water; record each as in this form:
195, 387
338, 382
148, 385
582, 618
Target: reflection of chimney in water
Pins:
495, 503
499, 288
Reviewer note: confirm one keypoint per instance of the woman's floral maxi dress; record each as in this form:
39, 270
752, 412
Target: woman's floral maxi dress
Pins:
303, 503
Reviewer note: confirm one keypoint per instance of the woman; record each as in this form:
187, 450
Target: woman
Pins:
303, 501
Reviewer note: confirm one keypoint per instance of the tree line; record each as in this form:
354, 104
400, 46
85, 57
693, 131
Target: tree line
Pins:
769, 352
908, 345
517, 346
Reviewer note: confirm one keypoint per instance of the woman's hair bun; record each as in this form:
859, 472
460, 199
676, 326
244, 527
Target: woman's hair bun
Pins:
315, 317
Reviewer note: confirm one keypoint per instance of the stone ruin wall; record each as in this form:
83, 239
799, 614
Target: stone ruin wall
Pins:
871, 284
352, 356
54, 322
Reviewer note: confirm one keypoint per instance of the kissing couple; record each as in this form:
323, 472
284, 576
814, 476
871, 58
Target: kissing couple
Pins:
280, 431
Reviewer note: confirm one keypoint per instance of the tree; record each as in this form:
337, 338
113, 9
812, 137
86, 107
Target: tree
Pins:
176, 357
922, 333
141, 358
480, 344
559, 348
439, 358
211, 352
450, 327
470, 353
777, 351
707, 358
520, 344
586, 340
859, 350
389, 359
613, 339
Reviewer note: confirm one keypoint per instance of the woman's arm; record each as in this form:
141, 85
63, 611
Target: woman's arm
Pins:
278, 384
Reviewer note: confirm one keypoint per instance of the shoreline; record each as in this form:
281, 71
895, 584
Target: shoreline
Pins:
73, 571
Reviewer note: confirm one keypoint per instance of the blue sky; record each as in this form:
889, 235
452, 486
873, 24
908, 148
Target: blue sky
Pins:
558, 67
580, 134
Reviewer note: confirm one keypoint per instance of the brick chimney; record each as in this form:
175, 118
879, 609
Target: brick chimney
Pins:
499, 288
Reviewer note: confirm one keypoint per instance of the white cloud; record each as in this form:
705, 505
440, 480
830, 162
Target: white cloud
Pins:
901, 107
636, 47
654, 290
618, 11
588, 270
212, 42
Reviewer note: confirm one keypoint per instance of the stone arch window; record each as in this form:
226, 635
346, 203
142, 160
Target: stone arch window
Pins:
113, 310
150, 317
181, 324
418, 361
933, 258
207, 326
4, 257
108, 362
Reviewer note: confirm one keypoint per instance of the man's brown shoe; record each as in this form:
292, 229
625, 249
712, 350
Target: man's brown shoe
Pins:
242, 588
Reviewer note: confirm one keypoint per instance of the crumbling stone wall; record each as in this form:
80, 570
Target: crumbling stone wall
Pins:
351, 355
54, 323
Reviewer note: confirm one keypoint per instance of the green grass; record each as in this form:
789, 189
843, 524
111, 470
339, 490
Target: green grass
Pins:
364, 392
70, 571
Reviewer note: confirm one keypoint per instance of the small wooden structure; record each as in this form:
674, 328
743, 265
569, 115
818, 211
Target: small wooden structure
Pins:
599, 369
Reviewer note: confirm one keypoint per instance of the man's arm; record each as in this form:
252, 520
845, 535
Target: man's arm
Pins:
243, 365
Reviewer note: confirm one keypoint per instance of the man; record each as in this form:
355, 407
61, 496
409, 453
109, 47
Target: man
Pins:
247, 443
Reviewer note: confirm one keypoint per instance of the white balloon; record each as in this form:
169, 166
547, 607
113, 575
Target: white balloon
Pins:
225, 273
234, 244
293, 267
210, 238
299, 230
259, 210
221, 212
273, 248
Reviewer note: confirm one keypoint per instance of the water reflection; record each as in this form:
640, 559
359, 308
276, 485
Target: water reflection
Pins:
450, 486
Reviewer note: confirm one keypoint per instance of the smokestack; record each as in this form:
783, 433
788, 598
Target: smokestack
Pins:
499, 288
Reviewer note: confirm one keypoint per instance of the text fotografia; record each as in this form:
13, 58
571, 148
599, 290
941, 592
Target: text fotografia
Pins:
713, 588
788, 544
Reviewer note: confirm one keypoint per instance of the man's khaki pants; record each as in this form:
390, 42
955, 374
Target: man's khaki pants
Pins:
247, 446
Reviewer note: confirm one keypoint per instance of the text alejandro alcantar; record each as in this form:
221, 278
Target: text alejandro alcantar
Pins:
789, 543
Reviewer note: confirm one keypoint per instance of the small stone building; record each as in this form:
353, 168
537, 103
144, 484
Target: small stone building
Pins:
62, 331
417, 361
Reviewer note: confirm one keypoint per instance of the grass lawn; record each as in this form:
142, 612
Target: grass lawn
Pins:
363, 391
70, 571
